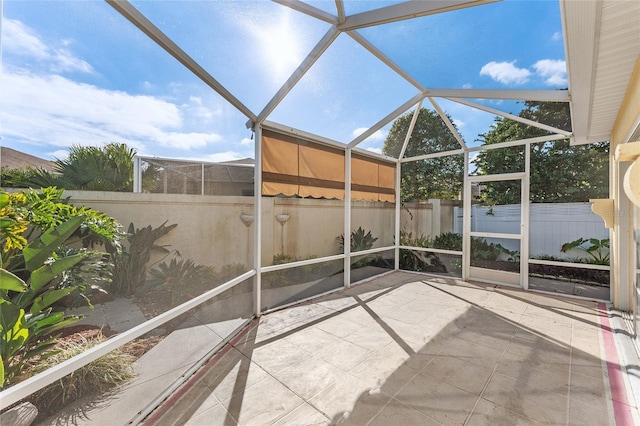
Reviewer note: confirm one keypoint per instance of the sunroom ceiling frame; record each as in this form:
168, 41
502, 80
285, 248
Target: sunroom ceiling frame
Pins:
406, 10
302, 69
312, 11
134, 16
512, 117
349, 25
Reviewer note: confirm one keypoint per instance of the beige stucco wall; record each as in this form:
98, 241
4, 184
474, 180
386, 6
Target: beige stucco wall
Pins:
622, 243
211, 232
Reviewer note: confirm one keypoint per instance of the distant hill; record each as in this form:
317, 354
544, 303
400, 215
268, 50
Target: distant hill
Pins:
13, 159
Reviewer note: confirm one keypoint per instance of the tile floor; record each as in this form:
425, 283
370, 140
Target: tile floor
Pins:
406, 349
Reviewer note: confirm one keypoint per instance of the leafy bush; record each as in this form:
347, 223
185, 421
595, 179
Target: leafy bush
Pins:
27, 214
412, 260
359, 240
596, 250
481, 250
129, 268
180, 271
107, 168
281, 258
39, 268
183, 279
448, 241
231, 270
407, 239
26, 314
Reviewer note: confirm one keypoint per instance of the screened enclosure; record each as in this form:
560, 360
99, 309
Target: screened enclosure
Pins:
290, 149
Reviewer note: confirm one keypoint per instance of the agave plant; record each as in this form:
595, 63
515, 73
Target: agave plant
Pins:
129, 268
360, 240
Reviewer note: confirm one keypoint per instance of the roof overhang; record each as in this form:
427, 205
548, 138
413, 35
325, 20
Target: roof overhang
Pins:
602, 44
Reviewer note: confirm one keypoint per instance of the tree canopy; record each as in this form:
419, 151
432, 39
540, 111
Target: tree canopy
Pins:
107, 168
433, 178
559, 172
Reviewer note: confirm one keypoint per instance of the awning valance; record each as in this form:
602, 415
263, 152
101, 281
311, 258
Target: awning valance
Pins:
296, 167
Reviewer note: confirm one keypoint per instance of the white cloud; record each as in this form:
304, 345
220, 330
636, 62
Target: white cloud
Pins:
187, 140
60, 154
556, 36
376, 150
378, 136
19, 38
53, 110
554, 71
467, 86
458, 123
506, 72
222, 156
22, 40
246, 141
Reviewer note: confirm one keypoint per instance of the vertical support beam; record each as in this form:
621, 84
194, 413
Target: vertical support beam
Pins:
436, 216
257, 222
137, 173
397, 231
466, 220
622, 263
347, 217
524, 219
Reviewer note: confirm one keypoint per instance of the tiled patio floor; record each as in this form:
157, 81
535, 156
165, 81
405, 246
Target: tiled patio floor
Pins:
406, 349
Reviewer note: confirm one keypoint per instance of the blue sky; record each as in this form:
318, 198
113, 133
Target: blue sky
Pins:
77, 72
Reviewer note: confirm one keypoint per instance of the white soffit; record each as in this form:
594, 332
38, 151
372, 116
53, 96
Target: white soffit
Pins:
602, 43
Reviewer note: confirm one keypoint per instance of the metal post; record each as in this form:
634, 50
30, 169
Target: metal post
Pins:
137, 175
397, 232
347, 217
524, 219
257, 214
466, 220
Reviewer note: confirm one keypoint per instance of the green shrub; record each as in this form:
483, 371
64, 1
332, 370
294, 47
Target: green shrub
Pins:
597, 251
360, 240
412, 260
26, 311
448, 241
129, 267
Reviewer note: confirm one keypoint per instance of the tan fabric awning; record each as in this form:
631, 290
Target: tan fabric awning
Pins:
293, 166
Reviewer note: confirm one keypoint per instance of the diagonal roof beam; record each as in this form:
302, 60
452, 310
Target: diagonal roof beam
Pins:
512, 95
412, 125
512, 117
406, 10
307, 9
448, 123
146, 26
340, 9
378, 54
311, 58
380, 124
